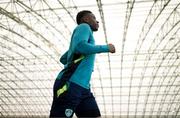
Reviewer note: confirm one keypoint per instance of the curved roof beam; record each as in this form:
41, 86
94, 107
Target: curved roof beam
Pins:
164, 96
16, 52
12, 88
160, 36
30, 9
167, 71
146, 28
101, 86
18, 68
154, 73
71, 16
130, 5
15, 43
21, 36
16, 19
178, 109
58, 17
175, 96
99, 4
29, 79
149, 22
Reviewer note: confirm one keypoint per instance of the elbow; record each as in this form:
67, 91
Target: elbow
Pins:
83, 52
64, 62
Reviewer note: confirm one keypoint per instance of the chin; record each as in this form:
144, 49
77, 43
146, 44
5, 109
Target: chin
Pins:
95, 29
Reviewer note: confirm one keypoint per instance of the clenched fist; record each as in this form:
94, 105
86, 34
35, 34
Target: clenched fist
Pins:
111, 48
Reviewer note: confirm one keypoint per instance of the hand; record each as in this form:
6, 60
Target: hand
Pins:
111, 48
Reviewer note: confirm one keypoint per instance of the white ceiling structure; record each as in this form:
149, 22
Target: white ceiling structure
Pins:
142, 79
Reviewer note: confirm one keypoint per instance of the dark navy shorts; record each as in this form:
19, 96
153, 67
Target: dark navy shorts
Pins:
76, 100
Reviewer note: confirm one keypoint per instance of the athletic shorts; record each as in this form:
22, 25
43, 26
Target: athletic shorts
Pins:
75, 99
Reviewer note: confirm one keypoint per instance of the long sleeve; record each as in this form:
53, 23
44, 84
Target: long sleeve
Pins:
87, 48
83, 45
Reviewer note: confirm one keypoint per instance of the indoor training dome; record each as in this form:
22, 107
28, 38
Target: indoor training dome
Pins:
140, 80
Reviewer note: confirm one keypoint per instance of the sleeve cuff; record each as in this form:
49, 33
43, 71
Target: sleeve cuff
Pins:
104, 48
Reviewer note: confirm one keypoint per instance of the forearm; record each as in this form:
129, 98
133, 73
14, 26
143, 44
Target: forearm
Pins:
87, 48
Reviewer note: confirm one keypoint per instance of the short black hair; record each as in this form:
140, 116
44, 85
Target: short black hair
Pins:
80, 15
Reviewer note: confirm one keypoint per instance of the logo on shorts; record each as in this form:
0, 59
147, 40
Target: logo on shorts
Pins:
68, 112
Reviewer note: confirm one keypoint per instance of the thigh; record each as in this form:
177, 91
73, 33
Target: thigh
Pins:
88, 108
64, 106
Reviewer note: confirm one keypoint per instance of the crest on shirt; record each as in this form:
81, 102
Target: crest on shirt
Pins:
68, 112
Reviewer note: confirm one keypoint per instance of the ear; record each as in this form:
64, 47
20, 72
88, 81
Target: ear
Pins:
85, 19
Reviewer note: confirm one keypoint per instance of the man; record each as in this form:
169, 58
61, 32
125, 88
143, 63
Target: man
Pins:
72, 89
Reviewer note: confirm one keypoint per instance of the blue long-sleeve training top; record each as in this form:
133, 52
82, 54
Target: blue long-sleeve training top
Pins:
82, 42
